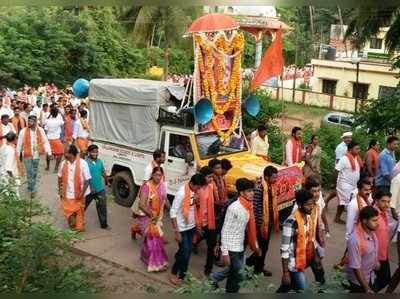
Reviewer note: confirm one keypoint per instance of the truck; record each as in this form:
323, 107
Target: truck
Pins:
131, 118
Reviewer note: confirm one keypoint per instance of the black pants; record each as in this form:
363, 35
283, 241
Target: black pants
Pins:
255, 261
101, 206
211, 237
235, 272
382, 276
318, 271
182, 256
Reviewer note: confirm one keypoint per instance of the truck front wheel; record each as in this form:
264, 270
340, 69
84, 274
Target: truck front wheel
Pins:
124, 189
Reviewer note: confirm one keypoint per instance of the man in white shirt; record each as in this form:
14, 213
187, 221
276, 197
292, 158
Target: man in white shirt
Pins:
32, 142
341, 149
53, 127
357, 202
260, 144
183, 219
5, 128
75, 102
294, 147
239, 219
74, 173
348, 169
158, 160
10, 167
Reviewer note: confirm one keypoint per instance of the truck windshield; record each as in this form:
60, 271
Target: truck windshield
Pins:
210, 145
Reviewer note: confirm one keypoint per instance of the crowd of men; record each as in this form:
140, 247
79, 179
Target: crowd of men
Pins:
50, 122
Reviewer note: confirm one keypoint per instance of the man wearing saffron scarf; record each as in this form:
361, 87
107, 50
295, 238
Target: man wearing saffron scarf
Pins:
267, 218
239, 220
158, 160
184, 217
297, 247
372, 158
73, 185
18, 121
207, 217
362, 249
294, 148
32, 142
384, 233
348, 167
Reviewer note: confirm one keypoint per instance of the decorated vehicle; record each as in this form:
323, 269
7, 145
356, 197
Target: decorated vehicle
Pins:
132, 117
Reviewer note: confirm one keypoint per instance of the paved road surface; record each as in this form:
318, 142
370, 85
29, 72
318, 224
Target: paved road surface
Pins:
116, 245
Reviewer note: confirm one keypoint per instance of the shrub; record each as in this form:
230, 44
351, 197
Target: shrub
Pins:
33, 253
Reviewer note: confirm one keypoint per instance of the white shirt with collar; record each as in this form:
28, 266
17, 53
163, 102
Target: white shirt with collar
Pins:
176, 210
234, 228
8, 160
85, 176
34, 148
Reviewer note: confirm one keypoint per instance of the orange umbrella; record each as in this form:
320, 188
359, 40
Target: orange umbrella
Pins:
213, 22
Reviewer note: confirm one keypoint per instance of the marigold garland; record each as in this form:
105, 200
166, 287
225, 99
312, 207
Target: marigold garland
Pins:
212, 81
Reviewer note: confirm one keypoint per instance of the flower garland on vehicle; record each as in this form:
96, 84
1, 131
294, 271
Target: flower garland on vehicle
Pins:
214, 52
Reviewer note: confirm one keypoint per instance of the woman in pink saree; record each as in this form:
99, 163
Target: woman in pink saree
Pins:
153, 199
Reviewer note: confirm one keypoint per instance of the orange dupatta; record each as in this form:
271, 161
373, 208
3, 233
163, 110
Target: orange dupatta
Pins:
210, 206
251, 225
155, 206
28, 144
186, 207
296, 150
77, 179
18, 123
304, 243
265, 215
353, 162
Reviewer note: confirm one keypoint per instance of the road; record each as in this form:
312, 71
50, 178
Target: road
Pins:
116, 245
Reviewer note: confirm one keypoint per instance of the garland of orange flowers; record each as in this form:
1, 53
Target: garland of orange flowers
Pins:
212, 87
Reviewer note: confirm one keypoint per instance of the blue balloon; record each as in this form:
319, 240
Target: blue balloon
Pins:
80, 88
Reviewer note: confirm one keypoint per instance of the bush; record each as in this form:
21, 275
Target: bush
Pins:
34, 255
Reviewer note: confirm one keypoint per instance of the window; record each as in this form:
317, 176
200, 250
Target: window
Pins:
329, 86
346, 121
334, 118
162, 141
386, 91
179, 146
210, 145
375, 43
361, 92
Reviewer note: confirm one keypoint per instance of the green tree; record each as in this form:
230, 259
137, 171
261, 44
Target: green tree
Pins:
365, 22
170, 21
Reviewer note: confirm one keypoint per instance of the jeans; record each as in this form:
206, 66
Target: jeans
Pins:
258, 261
382, 276
101, 206
219, 276
298, 283
32, 169
182, 256
234, 274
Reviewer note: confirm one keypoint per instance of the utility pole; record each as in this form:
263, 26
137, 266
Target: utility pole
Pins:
312, 29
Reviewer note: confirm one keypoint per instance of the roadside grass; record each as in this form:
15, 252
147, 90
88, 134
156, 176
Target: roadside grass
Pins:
305, 110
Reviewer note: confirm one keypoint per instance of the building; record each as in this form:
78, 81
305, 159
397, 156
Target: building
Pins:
339, 77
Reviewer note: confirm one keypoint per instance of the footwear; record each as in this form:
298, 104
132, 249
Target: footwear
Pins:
267, 273
175, 280
339, 221
106, 227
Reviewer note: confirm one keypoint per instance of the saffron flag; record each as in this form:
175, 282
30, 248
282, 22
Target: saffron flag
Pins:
271, 64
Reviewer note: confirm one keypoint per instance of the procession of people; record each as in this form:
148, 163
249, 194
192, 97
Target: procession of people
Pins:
47, 124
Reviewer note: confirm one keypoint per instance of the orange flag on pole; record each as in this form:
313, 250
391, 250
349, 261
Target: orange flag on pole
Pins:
271, 64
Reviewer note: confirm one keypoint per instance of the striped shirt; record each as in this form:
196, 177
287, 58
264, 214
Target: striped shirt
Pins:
288, 244
258, 205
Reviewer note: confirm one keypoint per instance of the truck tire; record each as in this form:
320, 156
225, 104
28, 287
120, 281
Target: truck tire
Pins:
124, 189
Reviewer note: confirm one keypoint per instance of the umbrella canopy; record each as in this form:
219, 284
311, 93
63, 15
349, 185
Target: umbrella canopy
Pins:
213, 22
